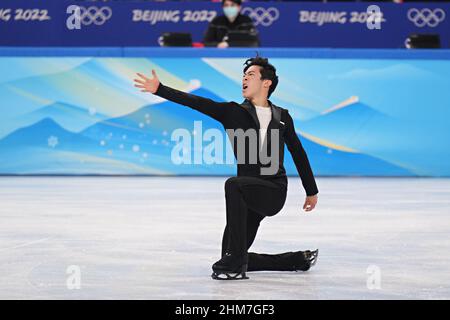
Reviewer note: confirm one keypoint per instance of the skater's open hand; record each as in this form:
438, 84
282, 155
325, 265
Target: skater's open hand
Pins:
147, 84
310, 202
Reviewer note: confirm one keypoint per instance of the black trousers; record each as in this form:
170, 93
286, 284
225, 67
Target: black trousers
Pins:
248, 201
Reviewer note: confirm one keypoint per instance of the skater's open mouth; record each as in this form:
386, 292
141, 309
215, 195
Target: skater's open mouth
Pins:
244, 86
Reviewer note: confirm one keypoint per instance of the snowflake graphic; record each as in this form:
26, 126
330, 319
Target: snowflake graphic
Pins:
52, 141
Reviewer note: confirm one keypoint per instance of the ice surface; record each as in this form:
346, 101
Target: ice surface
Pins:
157, 237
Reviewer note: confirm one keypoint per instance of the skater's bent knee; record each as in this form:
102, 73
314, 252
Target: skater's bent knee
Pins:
232, 183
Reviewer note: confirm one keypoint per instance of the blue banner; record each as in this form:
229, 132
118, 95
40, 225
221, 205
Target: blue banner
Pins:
356, 112
361, 25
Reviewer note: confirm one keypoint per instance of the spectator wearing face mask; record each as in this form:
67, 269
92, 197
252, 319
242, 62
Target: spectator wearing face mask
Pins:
221, 25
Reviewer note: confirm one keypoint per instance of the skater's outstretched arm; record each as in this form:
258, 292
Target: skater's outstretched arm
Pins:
206, 106
301, 163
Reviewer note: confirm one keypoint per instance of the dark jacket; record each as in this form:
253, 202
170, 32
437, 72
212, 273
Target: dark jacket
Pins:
218, 28
233, 115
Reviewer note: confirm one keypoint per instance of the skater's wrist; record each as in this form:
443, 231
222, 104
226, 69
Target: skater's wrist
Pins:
312, 195
158, 89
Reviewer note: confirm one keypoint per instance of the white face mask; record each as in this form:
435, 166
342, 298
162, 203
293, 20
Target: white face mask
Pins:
231, 12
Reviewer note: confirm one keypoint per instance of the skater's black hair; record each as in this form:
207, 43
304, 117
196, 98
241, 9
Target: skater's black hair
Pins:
268, 71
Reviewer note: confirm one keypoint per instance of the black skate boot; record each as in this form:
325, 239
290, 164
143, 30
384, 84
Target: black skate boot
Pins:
311, 258
299, 260
287, 261
230, 268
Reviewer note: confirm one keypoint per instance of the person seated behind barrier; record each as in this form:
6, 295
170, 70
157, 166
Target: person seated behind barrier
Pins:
231, 20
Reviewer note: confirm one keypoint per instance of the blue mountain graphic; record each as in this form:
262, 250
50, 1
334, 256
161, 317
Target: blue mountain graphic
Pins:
156, 121
69, 116
344, 121
37, 135
342, 126
356, 126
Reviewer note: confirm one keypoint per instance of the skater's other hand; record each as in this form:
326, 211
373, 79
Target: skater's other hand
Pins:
310, 203
147, 84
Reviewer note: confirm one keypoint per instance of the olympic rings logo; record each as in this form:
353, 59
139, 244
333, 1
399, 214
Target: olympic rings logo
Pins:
426, 17
262, 16
94, 15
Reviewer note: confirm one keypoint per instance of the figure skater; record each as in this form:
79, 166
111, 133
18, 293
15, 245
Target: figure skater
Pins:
254, 193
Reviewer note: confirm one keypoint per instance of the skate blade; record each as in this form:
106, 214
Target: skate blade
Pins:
229, 276
313, 256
